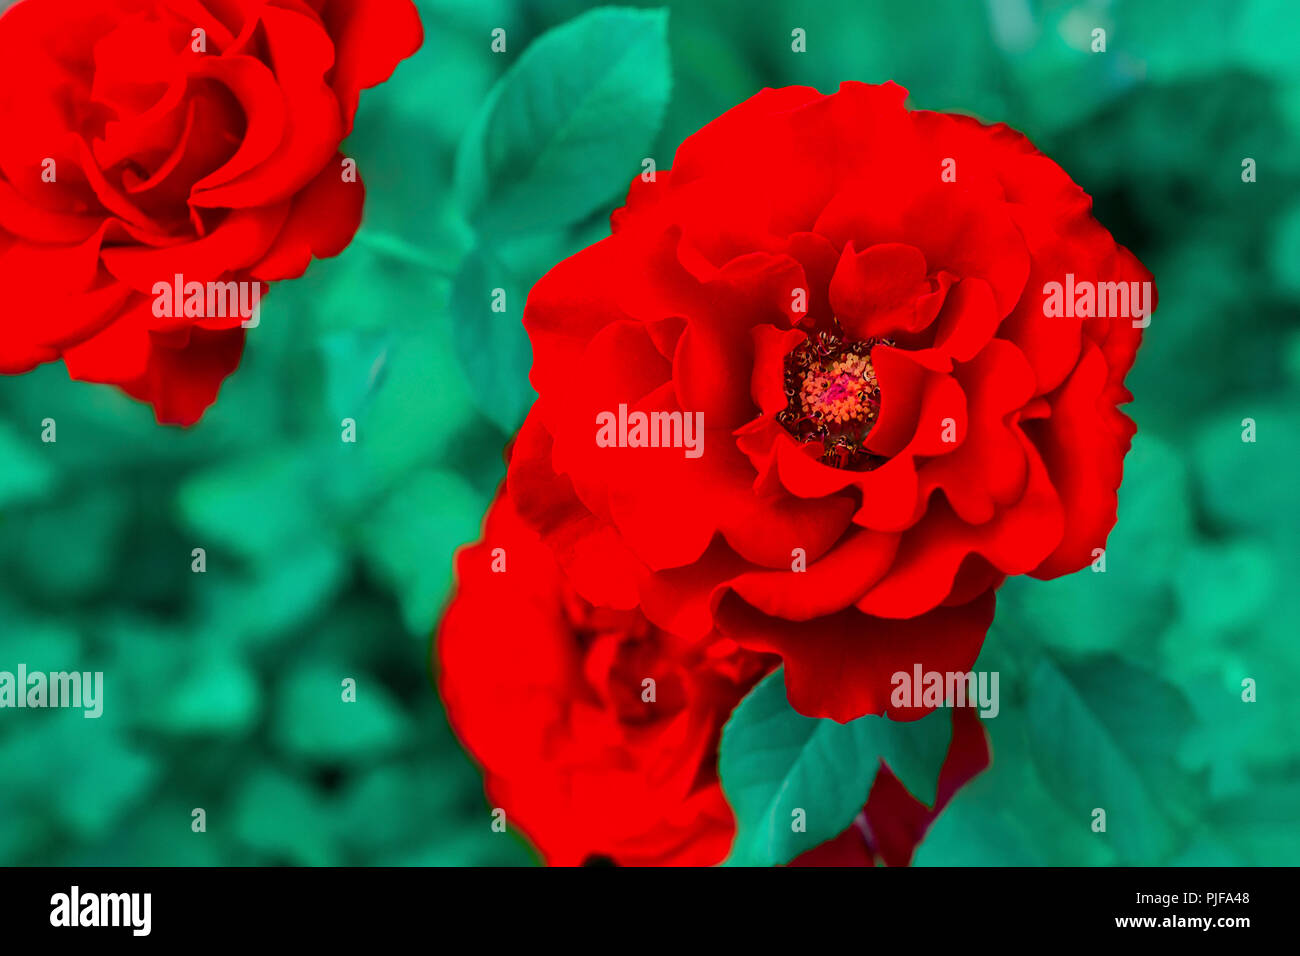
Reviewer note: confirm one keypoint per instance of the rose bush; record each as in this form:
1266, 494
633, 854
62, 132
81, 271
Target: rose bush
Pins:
548, 694
851, 298
147, 139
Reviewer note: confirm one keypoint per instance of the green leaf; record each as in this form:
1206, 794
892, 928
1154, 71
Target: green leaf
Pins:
257, 506
567, 126
274, 596
316, 723
364, 821
1265, 466
218, 695
979, 829
1105, 735
1124, 609
774, 761
282, 817
1224, 585
1259, 827
65, 549
101, 774
24, 473
491, 344
1007, 816
409, 540
413, 416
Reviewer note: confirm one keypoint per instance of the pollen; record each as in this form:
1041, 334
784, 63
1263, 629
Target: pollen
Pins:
833, 398
842, 393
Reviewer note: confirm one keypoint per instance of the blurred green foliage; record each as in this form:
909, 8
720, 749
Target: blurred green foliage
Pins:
328, 560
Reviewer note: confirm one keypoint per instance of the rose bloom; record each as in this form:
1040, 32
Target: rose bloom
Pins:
147, 139
547, 693
849, 298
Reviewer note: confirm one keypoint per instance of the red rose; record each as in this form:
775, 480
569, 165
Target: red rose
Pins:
150, 139
849, 301
548, 694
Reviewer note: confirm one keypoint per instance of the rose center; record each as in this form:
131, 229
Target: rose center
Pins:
833, 398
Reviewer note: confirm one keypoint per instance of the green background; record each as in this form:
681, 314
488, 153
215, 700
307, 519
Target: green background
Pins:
328, 560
